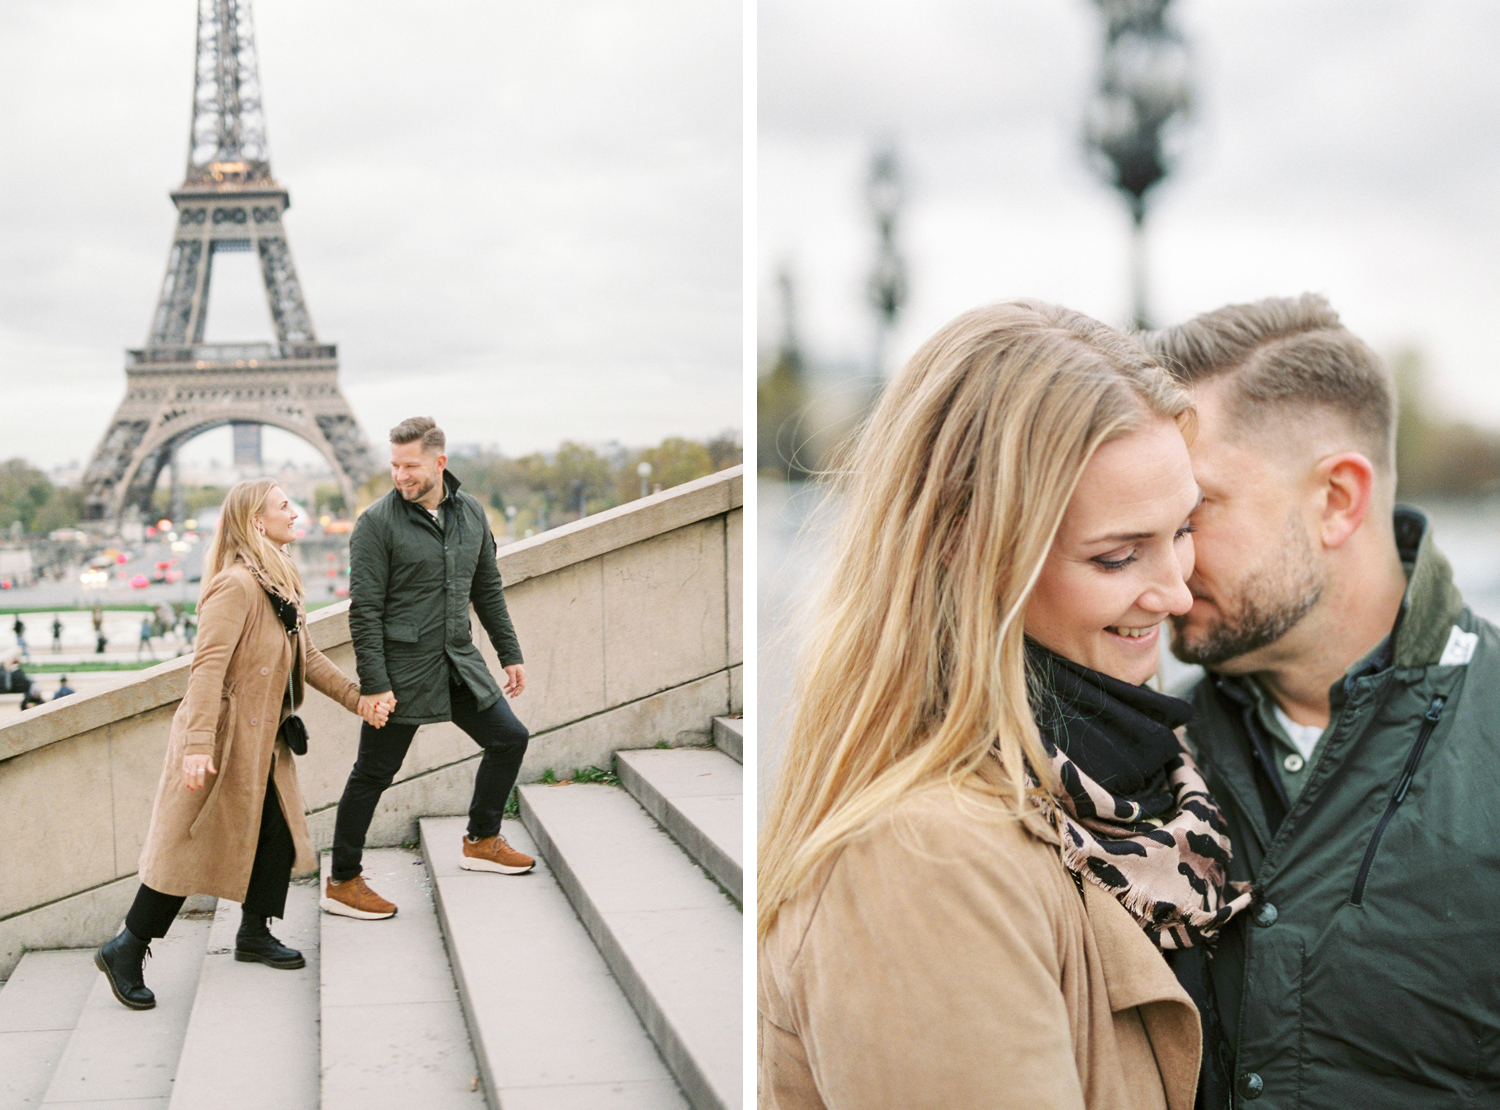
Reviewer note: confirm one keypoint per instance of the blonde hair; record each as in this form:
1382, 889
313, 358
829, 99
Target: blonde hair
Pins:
913, 670
236, 537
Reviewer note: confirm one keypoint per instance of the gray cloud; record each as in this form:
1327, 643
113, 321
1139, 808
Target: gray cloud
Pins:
522, 218
1350, 148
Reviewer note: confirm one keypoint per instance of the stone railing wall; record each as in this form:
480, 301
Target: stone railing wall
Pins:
630, 622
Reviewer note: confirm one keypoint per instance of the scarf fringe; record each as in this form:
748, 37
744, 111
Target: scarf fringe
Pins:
1141, 898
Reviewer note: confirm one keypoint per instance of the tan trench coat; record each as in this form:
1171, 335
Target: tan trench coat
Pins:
203, 841
946, 960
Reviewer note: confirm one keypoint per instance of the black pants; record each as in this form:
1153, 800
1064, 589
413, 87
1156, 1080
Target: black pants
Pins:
152, 912
382, 750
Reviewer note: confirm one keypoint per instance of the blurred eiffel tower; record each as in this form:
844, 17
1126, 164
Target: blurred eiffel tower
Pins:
177, 386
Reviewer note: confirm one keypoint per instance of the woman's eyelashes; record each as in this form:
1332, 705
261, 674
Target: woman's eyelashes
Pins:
1115, 560
1115, 564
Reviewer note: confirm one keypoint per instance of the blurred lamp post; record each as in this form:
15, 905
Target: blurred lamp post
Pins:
1143, 92
887, 286
644, 470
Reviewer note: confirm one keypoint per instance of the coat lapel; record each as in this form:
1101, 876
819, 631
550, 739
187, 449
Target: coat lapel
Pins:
1137, 977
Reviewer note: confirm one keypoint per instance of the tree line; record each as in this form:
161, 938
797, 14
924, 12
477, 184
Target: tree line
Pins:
530, 493
540, 491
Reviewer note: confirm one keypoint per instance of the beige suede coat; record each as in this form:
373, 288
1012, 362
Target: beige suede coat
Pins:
203, 841
945, 959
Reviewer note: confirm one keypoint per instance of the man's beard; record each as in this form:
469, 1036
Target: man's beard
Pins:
1269, 606
421, 493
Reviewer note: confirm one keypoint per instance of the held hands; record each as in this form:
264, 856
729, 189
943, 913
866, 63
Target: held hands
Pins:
194, 768
515, 680
376, 708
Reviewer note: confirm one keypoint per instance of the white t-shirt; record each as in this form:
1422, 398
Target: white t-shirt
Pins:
1304, 736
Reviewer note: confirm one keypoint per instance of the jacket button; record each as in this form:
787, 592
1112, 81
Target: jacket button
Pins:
1293, 763
1265, 915
1251, 1086
265, 670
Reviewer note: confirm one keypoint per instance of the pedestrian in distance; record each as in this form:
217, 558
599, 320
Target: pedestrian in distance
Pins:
63, 689
228, 819
19, 628
33, 694
418, 558
145, 640
57, 631
98, 618
988, 851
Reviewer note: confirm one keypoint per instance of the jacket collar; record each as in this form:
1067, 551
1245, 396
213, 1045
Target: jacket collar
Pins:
1432, 603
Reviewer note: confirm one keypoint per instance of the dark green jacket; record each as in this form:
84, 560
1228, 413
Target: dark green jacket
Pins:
410, 586
1368, 973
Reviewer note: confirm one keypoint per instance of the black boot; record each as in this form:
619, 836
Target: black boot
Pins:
254, 943
121, 960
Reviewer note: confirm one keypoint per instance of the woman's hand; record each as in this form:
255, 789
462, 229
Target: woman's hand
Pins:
193, 769
376, 708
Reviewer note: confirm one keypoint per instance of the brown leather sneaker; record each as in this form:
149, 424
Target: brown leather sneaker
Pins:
354, 898
494, 854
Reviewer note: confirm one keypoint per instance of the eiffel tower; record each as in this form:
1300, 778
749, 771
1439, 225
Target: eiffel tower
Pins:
177, 386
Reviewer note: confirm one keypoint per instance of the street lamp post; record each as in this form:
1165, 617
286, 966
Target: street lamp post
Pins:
1143, 93
887, 286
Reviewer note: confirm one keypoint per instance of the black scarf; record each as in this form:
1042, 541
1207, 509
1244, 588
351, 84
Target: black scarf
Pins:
285, 610
1117, 734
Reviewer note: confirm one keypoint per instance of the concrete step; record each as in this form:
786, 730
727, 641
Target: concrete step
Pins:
393, 1031
669, 934
697, 795
121, 1057
252, 1037
550, 1027
39, 1009
729, 737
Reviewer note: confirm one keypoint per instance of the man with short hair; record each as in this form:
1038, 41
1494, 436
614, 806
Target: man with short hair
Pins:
1349, 726
418, 558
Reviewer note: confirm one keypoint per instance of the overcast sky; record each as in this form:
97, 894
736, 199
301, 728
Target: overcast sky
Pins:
522, 219
1350, 147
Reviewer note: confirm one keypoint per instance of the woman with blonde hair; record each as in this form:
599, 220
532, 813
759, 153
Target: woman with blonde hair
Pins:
229, 818
986, 832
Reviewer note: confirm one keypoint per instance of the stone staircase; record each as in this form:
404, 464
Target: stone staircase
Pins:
608, 977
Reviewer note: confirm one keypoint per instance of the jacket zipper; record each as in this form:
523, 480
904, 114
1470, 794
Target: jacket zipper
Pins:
1429, 723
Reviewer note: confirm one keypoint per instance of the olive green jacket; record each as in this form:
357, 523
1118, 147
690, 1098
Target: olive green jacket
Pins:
410, 586
1367, 974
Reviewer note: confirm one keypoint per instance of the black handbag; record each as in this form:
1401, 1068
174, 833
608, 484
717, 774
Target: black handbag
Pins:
294, 732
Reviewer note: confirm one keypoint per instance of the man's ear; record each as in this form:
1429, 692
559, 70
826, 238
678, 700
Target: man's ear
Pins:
1345, 482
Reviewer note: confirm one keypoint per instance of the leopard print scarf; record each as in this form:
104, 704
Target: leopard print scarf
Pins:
1134, 815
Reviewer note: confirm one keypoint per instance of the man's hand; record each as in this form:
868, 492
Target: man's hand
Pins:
376, 708
194, 768
515, 680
